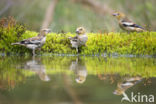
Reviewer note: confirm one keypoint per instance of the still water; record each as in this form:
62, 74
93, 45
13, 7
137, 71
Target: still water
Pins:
77, 80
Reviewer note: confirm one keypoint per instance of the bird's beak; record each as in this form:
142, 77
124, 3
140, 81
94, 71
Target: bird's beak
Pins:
115, 92
49, 31
77, 32
115, 14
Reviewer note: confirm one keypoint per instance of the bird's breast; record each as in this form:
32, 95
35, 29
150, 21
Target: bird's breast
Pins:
83, 39
32, 46
43, 40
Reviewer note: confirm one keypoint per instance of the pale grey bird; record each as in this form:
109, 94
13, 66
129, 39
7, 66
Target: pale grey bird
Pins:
34, 42
80, 39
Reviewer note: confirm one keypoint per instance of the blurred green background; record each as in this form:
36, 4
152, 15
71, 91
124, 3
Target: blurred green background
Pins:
69, 14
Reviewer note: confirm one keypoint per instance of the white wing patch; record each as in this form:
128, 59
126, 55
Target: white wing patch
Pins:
127, 23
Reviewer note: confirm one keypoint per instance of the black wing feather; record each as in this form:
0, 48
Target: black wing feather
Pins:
131, 25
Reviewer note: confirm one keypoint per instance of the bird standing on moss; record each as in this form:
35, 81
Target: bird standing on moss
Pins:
34, 42
126, 24
80, 39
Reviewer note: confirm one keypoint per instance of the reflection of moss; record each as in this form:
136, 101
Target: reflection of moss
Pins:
11, 72
132, 66
11, 75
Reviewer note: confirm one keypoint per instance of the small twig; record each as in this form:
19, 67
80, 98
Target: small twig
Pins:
96, 6
49, 14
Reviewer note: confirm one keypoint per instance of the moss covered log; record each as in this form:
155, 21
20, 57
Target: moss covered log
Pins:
121, 43
98, 43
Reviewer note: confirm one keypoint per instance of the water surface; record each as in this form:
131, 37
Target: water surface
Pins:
75, 80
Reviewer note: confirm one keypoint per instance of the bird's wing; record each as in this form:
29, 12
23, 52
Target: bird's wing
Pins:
74, 38
34, 40
131, 24
83, 39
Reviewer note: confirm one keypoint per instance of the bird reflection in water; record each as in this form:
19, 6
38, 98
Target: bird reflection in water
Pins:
126, 83
79, 68
35, 65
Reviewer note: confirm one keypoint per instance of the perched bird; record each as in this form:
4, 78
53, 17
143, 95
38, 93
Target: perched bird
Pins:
34, 42
80, 39
127, 24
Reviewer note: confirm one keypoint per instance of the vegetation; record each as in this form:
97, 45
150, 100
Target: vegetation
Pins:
10, 31
58, 43
24, 76
121, 43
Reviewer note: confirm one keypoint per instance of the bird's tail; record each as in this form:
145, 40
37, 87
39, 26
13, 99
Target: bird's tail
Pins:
70, 38
15, 43
145, 30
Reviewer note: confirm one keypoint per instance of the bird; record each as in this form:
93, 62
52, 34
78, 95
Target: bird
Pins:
126, 24
34, 42
80, 39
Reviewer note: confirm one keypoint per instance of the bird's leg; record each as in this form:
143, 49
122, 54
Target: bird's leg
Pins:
34, 52
128, 32
77, 50
33, 58
39, 50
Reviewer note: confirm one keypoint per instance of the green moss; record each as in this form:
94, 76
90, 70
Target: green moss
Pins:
10, 31
121, 43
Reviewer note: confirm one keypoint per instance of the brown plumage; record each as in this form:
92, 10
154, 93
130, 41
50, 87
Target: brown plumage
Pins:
34, 42
127, 24
80, 39
126, 83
